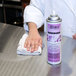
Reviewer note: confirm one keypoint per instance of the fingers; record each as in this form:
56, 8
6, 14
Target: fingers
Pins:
40, 43
36, 45
27, 45
74, 36
33, 44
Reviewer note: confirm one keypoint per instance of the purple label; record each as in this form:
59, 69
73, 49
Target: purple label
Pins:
54, 27
53, 57
54, 52
53, 42
54, 37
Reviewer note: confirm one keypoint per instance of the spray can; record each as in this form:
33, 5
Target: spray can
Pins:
54, 39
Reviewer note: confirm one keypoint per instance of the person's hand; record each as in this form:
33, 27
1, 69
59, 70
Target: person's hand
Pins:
74, 36
33, 41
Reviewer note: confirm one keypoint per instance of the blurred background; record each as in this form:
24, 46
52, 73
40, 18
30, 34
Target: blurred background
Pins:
11, 11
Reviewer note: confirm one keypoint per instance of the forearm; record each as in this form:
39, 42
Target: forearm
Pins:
34, 39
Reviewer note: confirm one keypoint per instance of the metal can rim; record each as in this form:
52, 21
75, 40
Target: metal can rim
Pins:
54, 21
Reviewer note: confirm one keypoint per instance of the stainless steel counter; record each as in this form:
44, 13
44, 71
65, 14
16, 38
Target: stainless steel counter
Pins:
12, 64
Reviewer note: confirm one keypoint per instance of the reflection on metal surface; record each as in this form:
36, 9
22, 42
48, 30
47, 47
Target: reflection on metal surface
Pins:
14, 58
62, 69
13, 65
55, 70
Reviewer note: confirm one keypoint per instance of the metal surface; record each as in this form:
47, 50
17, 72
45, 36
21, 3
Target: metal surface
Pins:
14, 65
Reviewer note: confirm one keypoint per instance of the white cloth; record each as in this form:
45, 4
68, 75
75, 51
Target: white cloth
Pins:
39, 10
23, 51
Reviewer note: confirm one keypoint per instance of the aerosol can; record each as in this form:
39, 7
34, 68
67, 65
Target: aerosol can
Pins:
54, 38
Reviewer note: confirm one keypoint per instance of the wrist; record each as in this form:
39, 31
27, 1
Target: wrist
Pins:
32, 27
33, 31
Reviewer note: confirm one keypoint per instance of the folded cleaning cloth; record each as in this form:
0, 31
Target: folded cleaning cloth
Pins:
23, 51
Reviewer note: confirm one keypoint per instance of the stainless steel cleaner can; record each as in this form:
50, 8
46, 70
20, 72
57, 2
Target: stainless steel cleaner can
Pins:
54, 39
